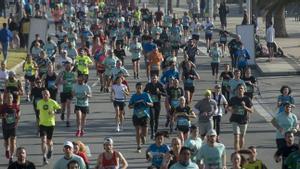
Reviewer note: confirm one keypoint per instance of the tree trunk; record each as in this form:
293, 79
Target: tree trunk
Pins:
279, 23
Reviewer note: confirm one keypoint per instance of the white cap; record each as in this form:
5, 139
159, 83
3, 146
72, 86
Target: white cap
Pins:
211, 132
108, 140
68, 143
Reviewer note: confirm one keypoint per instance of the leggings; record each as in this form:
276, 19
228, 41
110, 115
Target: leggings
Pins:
154, 116
215, 68
217, 122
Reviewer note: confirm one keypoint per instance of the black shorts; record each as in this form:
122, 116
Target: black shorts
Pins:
270, 45
184, 129
46, 131
64, 96
185, 27
208, 36
83, 109
134, 60
8, 133
30, 78
119, 104
143, 121
190, 88
196, 37
223, 42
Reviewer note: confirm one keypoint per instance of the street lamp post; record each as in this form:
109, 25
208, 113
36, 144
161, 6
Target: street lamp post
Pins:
249, 11
211, 8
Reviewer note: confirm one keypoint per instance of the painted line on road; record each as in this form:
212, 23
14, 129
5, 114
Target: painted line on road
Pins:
262, 111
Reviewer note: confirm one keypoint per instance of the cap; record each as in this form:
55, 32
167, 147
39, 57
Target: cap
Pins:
211, 132
108, 141
12, 73
68, 143
217, 86
207, 93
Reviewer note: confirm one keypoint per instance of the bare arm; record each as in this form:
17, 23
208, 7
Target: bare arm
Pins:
123, 161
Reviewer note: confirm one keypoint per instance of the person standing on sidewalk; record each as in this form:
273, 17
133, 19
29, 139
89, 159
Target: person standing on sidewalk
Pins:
6, 37
270, 36
47, 108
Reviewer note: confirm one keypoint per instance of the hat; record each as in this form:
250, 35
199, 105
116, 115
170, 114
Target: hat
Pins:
108, 140
207, 93
68, 143
211, 132
217, 86
12, 73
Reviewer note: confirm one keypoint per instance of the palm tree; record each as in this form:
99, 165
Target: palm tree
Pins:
277, 7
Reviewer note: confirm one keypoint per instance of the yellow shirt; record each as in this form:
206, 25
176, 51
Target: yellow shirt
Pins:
83, 63
47, 108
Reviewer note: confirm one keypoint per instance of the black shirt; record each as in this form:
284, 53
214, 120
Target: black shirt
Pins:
27, 165
120, 53
250, 87
239, 113
285, 152
152, 88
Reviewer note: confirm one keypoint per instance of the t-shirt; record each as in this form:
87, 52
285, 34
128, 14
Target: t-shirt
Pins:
211, 156
191, 165
110, 63
215, 54
194, 145
82, 63
11, 112
3, 78
80, 92
285, 152
284, 99
119, 92
157, 153
208, 106
183, 120
63, 162
174, 93
239, 113
135, 49
226, 76
189, 77
287, 122
27, 165
44, 108
233, 83
221, 100
50, 47
249, 87
139, 101
293, 160
69, 78
152, 89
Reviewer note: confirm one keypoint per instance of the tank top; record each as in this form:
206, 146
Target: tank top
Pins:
110, 163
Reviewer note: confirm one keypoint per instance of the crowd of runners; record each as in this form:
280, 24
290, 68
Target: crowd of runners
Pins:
102, 35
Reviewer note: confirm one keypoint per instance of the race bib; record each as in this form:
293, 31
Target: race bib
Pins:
174, 103
183, 122
10, 119
154, 98
140, 113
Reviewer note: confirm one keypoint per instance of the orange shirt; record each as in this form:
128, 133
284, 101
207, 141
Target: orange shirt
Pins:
155, 58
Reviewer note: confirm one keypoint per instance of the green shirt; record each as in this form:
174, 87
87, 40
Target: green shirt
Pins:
83, 63
46, 108
293, 160
211, 156
69, 78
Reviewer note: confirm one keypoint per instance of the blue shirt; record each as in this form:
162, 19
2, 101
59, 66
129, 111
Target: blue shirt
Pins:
5, 35
287, 122
190, 165
284, 99
157, 153
140, 108
148, 46
169, 74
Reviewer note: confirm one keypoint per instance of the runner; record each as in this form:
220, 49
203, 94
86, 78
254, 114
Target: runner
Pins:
140, 103
31, 70
184, 161
110, 158
172, 156
99, 57
156, 152
43, 62
251, 83
110, 63
225, 77
252, 161
3, 79
208, 27
10, 114
205, 109
82, 92
21, 162
49, 80
155, 89
234, 82
135, 49
47, 108
285, 97
240, 106
155, 59
182, 116
119, 51
51, 49
14, 87
82, 63
213, 154
66, 78
194, 142
215, 54
118, 71
118, 95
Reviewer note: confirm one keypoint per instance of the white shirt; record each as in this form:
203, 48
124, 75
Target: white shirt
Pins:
118, 90
223, 101
3, 78
270, 34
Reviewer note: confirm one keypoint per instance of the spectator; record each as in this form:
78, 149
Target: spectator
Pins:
223, 11
270, 36
21, 162
81, 150
5, 38
62, 163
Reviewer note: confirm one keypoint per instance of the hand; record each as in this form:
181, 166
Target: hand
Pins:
277, 159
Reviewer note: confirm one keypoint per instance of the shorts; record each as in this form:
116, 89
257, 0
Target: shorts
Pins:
143, 121
46, 131
185, 27
30, 78
83, 109
196, 37
223, 42
134, 60
184, 129
190, 88
100, 71
119, 104
8, 133
239, 129
58, 22
64, 96
270, 45
204, 127
208, 36
175, 47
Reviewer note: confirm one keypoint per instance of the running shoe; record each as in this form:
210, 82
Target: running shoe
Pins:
77, 133
139, 150
45, 161
7, 154
118, 128
49, 154
68, 124
62, 116
82, 133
